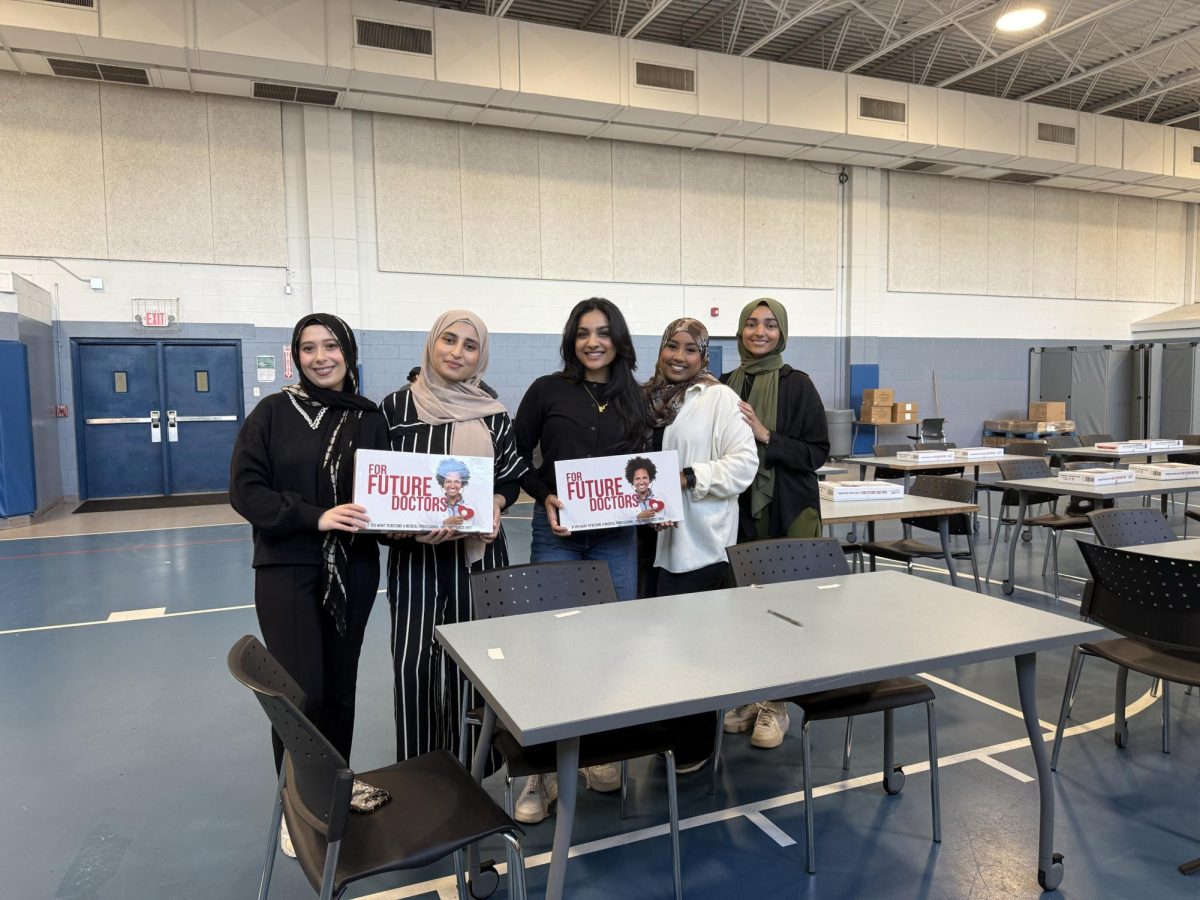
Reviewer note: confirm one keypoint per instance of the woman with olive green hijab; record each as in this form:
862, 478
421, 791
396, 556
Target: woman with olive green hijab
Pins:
784, 410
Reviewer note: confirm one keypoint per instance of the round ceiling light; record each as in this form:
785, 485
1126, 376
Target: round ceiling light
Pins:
1021, 19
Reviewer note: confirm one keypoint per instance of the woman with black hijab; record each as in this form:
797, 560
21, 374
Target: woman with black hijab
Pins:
292, 478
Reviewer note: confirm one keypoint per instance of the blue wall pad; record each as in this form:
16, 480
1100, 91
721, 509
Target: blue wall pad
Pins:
18, 479
863, 376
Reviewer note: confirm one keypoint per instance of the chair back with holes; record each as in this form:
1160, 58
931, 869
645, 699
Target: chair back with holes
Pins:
319, 782
883, 472
1148, 598
1130, 527
1020, 469
1061, 442
939, 445
939, 487
1091, 440
1027, 448
538, 587
786, 559
1189, 440
933, 430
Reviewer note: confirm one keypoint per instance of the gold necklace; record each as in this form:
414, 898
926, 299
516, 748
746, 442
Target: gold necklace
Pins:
600, 406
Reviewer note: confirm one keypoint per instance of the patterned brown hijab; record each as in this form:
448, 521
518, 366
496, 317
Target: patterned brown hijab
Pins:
664, 398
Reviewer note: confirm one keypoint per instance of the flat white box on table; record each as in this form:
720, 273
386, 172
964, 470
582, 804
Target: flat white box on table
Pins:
1165, 444
1097, 476
860, 490
978, 452
926, 456
1124, 446
1167, 471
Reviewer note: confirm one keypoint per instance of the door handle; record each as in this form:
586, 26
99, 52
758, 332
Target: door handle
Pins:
155, 427
172, 426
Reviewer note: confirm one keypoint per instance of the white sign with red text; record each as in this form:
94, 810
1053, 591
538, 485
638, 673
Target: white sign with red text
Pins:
424, 491
607, 491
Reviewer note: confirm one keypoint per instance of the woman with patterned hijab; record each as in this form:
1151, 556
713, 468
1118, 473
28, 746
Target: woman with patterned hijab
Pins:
446, 411
784, 410
292, 477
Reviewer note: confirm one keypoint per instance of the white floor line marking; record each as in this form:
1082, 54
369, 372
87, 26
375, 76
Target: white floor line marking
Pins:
1007, 770
174, 615
773, 831
980, 698
132, 615
760, 806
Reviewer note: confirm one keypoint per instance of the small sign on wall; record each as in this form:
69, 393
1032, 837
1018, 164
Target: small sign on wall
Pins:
265, 365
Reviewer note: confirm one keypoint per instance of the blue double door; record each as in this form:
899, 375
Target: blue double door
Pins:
156, 417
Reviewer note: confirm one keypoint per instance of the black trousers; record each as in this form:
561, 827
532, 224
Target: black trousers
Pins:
302, 636
694, 736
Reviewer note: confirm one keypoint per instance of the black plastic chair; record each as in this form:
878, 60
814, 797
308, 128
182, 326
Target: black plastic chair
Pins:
437, 808
1061, 442
883, 472
1193, 459
1091, 440
790, 559
1154, 602
939, 445
961, 490
548, 587
930, 430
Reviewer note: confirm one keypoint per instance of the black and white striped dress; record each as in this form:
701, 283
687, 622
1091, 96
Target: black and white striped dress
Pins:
428, 585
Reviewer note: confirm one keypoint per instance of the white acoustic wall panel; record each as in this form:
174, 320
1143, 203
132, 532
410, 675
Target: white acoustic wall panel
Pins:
157, 185
47, 18
145, 22
719, 83
1170, 252
991, 130
1143, 146
293, 32
52, 175
774, 235
1055, 241
466, 48
646, 206
1010, 240
1096, 257
914, 232
820, 229
964, 236
246, 170
500, 202
509, 34
804, 104
576, 207
756, 90
858, 87
1137, 226
922, 116
1109, 142
951, 122
1086, 155
557, 63
1187, 148
712, 216
418, 210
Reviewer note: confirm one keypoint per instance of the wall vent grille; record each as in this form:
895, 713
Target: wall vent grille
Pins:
89, 4
667, 78
928, 168
124, 74
1020, 178
387, 36
1049, 133
265, 90
882, 110
77, 68
1196, 154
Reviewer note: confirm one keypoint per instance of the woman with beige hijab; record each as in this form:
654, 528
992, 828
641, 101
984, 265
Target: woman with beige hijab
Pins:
445, 411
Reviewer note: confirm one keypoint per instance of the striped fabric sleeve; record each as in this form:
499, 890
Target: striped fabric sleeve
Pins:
510, 465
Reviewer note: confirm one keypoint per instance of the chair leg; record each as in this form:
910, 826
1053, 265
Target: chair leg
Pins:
513, 859
849, 743
264, 884
464, 729
1121, 730
330, 873
1068, 697
991, 559
1166, 717
516, 867
1074, 686
1154, 685
974, 564
810, 844
624, 813
989, 500
716, 757
1055, 536
673, 811
935, 789
893, 775
1046, 555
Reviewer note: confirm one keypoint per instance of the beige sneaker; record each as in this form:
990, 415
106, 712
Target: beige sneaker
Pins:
285, 840
770, 726
536, 799
603, 778
741, 718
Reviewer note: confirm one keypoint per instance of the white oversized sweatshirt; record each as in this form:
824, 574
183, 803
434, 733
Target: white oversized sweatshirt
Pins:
710, 435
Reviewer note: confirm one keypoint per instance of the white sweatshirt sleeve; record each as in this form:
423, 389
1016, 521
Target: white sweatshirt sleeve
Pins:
735, 456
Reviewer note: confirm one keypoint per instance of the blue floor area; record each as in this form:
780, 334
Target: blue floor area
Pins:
137, 768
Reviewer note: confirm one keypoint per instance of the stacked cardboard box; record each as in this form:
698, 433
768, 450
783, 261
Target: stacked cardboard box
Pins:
905, 412
1048, 411
877, 406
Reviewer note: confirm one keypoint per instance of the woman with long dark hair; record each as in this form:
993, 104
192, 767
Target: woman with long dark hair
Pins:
292, 478
593, 407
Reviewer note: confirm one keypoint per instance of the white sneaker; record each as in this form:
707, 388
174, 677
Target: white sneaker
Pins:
285, 840
536, 797
770, 726
741, 718
603, 778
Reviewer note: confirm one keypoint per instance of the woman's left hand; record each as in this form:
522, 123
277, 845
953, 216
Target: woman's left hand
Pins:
760, 432
497, 508
663, 526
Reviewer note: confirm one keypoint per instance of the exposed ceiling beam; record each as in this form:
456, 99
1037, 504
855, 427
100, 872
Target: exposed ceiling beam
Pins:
1114, 63
971, 6
1040, 39
787, 24
591, 14
651, 14
737, 26
1183, 118
710, 24
1179, 81
503, 8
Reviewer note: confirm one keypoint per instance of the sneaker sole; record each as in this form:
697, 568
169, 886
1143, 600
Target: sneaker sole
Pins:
766, 745
530, 820
601, 787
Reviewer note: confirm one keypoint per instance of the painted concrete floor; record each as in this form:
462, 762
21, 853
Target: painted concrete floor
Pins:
136, 767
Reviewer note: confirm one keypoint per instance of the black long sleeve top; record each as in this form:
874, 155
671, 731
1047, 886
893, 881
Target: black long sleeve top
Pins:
274, 474
560, 416
799, 446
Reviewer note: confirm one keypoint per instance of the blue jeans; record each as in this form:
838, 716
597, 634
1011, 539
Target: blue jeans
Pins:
615, 546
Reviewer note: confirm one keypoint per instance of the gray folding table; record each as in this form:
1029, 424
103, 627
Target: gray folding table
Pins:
555, 677
1136, 457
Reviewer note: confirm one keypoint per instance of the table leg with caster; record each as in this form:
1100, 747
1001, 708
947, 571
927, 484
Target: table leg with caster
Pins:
1050, 864
1009, 583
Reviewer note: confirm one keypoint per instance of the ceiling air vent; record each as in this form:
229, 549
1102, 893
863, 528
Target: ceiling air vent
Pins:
883, 110
402, 38
88, 4
265, 90
1056, 134
1019, 178
667, 78
75, 68
927, 167
1196, 154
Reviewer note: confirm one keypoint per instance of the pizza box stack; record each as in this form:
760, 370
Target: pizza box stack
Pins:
860, 490
1124, 446
1167, 471
1097, 477
926, 456
978, 452
1165, 444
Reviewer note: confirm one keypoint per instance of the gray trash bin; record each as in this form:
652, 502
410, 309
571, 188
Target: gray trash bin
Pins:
840, 424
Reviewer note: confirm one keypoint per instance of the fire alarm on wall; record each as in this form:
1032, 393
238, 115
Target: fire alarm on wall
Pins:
714, 311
